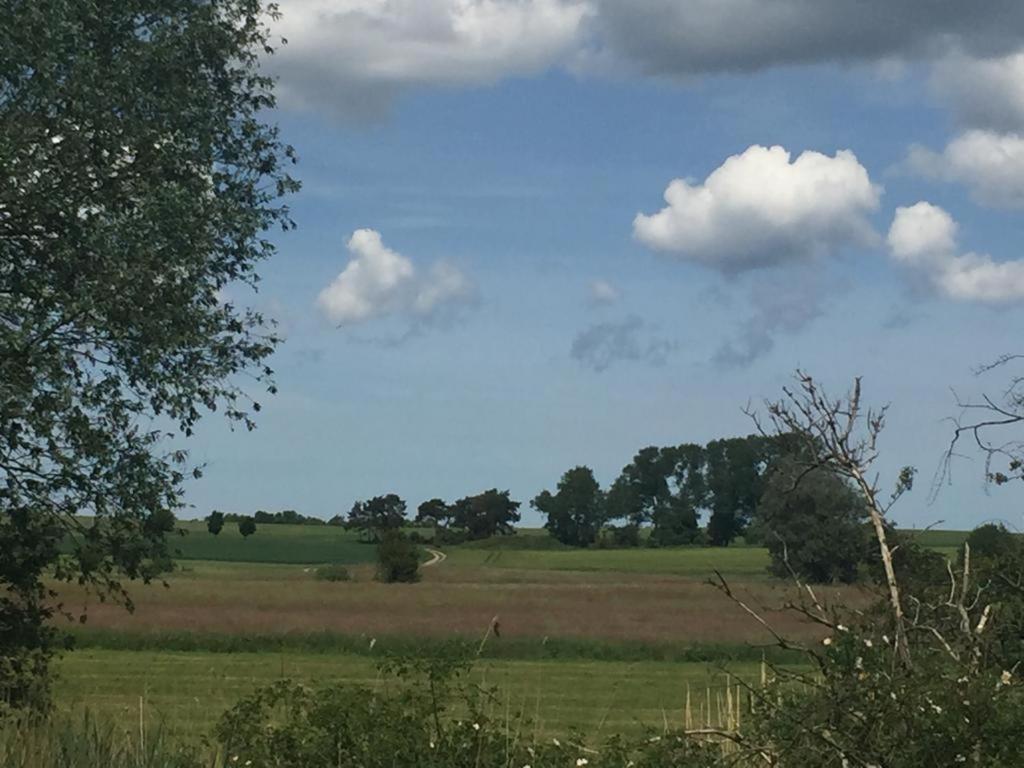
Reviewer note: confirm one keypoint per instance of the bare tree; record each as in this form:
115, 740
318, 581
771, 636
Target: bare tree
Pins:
984, 421
839, 435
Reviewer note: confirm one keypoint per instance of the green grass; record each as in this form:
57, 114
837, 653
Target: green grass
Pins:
697, 562
186, 692
507, 648
295, 544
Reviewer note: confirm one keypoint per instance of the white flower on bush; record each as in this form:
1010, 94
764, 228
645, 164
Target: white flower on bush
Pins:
476, 726
827, 641
581, 761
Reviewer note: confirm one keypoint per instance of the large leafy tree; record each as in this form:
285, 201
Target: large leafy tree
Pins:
377, 515
575, 511
138, 179
491, 513
735, 480
813, 523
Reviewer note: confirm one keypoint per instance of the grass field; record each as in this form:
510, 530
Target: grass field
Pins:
297, 544
186, 691
587, 636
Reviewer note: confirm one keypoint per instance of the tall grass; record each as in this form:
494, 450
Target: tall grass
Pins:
89, 742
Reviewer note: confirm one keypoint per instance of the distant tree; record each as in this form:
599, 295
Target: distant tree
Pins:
735, 471
663, 487
436, 514
675, 524
812, 522
247, 527
337, 520
491, 513
398, 558
215, 522
576, 511
381, 513
991, 541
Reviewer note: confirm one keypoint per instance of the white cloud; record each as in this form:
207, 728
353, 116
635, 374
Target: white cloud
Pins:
991, 165
352, 56
603, 292
983, 92
760, 208
923, 237
378, 281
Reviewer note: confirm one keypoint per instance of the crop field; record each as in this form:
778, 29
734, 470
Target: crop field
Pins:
583, 634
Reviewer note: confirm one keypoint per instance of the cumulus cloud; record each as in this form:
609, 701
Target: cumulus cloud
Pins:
602, 293
602, 345
352, 56
761, 208
686, 37
990, 165
923, 237
983, 92
378, 282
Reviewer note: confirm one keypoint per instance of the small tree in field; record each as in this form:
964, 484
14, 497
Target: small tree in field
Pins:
215, 522
246, 527
398, 559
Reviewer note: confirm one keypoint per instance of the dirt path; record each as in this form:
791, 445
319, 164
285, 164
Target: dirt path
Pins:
437, 556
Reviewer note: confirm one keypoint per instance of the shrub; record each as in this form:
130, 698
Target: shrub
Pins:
398, 559
332, 573
434, 719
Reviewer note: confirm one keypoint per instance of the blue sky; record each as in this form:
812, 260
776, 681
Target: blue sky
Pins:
470, 300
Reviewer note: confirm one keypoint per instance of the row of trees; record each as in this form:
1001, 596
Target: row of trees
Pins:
491, 513
667, 489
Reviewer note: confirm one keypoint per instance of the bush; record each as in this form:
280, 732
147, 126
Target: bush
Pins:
436, 719
332, 573
398, 559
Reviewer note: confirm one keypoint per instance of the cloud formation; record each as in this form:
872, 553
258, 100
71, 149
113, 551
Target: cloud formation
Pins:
690, 37
602, 345
352, 56
923, 237
983, 92
761, 208
378, 282
990, 165
783, 303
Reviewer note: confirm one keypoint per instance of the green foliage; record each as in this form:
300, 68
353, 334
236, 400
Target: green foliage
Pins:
865, 708
576, 511
215, 522
246, 527
491, 513
137, 180
332, 573
398, 559
378, 515
813, 524
992, 541
432, 718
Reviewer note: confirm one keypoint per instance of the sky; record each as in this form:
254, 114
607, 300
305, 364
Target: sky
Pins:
535, 234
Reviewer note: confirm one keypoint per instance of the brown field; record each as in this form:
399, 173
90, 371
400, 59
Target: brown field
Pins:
456, 600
